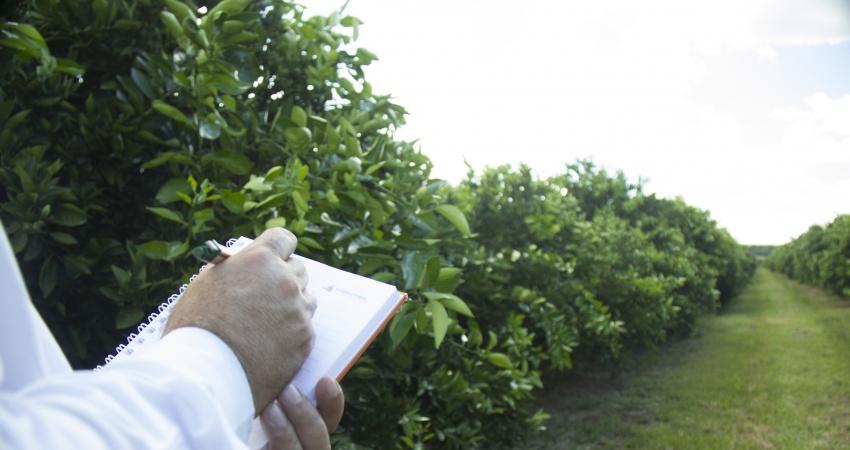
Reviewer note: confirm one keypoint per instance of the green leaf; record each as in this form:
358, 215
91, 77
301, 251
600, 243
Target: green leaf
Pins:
161, 250
172, 113
27, 184
352, 145
456, 217
365, 56
439, 320
167, 214
69, 67
100, 8
128, 316
401, 325
16, 119
300, 204
68, 215
168, 157
383, 277
277, 222
175, 29
28, 31
257, 184
24, 46
413, 265
142, 82
209, 130
123, 277
168, 192
374, 168
273, 173
299, 138
233, 201
154, 249
234, 162
272, 200
450, 301
225, 83
350, 21
232, 27
449, 279
181, 10
64, 238
432, 270
299, 116
228, 102
230, 7
47, 277
309, 243
18, 241
500, 360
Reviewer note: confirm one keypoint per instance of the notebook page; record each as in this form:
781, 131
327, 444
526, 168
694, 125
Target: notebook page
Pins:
349, 308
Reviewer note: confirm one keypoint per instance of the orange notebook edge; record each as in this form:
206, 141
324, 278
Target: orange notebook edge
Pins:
401, 299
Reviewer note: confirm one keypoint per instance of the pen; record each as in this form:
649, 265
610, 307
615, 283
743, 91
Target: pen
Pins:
211, 252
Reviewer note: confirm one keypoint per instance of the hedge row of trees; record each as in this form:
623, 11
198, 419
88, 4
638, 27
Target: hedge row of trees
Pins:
820, 256
132, 130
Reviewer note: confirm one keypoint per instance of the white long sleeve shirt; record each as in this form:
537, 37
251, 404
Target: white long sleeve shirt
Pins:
187, 390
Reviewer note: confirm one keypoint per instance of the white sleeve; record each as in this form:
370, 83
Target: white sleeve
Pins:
187, 390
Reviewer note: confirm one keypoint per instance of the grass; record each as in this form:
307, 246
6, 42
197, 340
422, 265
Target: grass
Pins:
772, 371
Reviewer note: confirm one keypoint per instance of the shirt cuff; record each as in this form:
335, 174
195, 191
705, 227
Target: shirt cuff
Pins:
203, 356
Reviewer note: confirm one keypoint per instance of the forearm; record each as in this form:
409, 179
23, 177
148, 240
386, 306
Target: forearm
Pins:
186, 391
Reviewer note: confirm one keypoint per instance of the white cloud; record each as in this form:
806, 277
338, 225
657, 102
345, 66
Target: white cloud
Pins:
822, 116
634, 85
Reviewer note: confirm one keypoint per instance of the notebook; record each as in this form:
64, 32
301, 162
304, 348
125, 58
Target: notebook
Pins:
351, 311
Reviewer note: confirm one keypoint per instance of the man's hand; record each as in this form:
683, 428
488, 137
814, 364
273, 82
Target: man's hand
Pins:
256, 302
292, 423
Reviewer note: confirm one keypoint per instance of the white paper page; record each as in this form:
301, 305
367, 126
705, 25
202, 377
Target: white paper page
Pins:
349, 308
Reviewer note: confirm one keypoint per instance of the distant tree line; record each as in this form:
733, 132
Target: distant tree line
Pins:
820, 256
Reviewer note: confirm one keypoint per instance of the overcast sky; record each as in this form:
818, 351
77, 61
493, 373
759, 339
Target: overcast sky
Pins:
741, 107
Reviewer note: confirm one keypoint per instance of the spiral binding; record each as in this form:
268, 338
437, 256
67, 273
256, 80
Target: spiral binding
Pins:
152, 328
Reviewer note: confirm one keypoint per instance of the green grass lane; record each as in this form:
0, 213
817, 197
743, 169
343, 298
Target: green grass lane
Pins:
773, 371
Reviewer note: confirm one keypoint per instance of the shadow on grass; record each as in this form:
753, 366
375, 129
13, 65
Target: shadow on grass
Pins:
602, 408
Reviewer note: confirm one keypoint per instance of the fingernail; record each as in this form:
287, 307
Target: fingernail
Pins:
274, 416
291, 395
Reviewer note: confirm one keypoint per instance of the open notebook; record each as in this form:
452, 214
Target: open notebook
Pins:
351, 311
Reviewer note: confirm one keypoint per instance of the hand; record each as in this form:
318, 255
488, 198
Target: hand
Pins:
292, 423
256, 302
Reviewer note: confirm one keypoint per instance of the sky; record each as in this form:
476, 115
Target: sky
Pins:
741, 107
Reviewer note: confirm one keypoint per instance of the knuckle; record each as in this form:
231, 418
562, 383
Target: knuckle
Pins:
260, 255
312, 304
289, 234
277, 239
274, 234
298, 268
289, 286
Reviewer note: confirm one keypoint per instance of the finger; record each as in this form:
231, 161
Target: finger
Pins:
305, 419
279, 240
297, 269
311, 301
330, 402
279, 429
